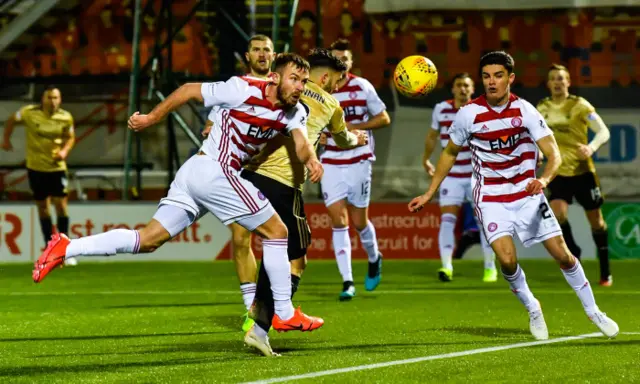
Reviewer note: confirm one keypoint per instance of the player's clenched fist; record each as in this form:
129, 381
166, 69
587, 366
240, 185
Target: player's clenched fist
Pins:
419, 202
315, 170
138, 122
535, 186
363, 138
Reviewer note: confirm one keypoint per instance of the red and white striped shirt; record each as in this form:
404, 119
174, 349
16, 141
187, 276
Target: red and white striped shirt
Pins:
245, 120
503, 145
359, 100
441, 120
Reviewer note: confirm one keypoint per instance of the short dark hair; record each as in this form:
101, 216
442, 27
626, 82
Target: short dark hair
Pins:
461, 75
497, 58
258, 38
558, 67
50, 87
323, 58
340, 45
283, 59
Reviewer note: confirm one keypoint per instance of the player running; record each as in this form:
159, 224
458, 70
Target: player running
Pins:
50, 138
456, 187
570, 118
502, 131
251, 113
346, 185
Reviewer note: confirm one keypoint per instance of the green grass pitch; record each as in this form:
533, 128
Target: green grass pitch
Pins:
180, 323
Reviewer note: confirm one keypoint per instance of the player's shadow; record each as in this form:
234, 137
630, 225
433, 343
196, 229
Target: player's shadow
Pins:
217, 346
35, 370
494, 332
304, 347
170, 305
105, 337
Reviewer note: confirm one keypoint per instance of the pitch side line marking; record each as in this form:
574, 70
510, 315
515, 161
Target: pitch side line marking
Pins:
426, 358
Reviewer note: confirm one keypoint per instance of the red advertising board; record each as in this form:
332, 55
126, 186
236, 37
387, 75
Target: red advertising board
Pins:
401, 234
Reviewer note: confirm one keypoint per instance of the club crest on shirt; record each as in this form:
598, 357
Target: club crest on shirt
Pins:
353, 95
261, 196
516, 122
492, 227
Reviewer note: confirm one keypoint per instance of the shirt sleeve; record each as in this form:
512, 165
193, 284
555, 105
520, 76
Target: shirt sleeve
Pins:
70, 128
535, 123
459, 130
337, 122
587, 111
228, 93
339, 132
375, 105
20, 115
299, 120
435, 125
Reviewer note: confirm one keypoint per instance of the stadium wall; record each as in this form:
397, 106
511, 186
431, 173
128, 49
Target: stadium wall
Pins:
401, 235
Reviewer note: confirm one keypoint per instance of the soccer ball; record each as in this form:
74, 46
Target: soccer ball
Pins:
415, 76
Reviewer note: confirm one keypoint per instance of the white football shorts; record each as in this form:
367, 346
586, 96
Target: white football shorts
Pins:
530, 218
203, 184
351, 182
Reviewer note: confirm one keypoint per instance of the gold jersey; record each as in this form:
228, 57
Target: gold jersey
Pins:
46, 136
278, 159
569, 122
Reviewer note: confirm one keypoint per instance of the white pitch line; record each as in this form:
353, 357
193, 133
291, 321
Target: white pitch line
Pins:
424, 358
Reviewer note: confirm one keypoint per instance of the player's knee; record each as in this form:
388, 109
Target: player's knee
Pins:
298, 266
43, 209
60, 206
276, 231
508, 259
597, 223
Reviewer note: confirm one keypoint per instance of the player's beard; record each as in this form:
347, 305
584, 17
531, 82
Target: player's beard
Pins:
257, 68
287, 102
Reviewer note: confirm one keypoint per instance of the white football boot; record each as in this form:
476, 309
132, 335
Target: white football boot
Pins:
251, 339
607, 326
537, 325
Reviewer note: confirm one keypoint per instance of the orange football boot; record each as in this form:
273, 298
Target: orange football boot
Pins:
52, 256
299, 322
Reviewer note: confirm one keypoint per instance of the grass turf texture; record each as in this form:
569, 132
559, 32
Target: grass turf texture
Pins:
180, 322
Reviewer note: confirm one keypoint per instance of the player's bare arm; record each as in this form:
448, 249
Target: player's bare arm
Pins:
177, 98
429, 144
597, 125
70, 140
550, 149
307, 155
380, 120
9, 126
445, 163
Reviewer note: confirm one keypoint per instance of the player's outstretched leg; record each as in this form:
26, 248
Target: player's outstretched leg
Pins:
367, 232
167, 222
490, 271
506, 253
574, 274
